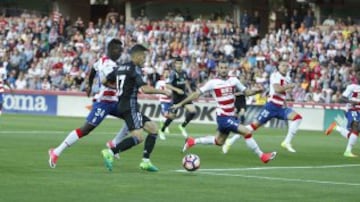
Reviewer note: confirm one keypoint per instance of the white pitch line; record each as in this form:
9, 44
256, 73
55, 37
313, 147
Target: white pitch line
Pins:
276, 168
282, 179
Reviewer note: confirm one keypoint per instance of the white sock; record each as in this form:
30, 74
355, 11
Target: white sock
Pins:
351, 142
233, 139
120, 135
343, 131
251, 144
205, 140
69, 140
293, 127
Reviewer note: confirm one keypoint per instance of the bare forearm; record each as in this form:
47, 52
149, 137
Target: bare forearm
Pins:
152, 90
190, 98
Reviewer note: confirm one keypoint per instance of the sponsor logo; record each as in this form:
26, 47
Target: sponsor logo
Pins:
25, 103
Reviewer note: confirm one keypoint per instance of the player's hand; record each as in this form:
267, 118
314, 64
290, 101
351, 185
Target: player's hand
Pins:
88, 91
175, 107
258, 89
167, 93
290, 86
180, 92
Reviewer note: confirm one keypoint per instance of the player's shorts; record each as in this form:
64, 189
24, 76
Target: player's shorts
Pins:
271, 110
1, 98
352, 116
179, 98
165, 108
133, 119
100, 110
240, 103
227, 124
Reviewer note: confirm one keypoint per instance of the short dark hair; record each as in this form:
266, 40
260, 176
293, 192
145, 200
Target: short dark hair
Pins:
113, 43
137, 48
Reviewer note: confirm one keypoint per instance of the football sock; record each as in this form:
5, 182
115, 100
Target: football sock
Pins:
205, 140
242, 119
149, 145
120, 135
188, 117
166, 124
126, 144
233, 139
343, 131
293, 127
251, 144
351, 142
72, 137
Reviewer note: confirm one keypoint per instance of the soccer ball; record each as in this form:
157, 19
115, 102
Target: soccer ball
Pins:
191, 162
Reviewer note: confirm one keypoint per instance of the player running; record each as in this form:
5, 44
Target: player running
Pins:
351, 95
275, 108
222, 89
105, 102
178, 83
128, 80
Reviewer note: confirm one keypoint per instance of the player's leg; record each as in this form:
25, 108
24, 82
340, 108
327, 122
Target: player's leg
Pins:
353, 135
123, 132
97, 114
253, 146
1, 103
294, 121
189, 115
264, 116
165, 112
169, 118
134, 122
151, 128
242, 115
349, 115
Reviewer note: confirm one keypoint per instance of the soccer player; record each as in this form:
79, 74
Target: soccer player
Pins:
105, 102
128, 80
178, 83
351, 95
3, 80
222, 89
165, 102
276, 108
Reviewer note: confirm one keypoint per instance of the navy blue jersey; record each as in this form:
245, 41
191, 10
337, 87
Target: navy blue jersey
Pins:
178, 80
128, 80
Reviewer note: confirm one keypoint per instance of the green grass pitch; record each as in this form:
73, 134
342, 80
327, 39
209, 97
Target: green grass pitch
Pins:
317, 172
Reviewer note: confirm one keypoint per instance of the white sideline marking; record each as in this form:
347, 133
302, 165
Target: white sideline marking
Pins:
277, 168
282, 179
212, 172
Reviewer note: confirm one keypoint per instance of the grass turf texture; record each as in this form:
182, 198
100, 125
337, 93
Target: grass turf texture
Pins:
81, 176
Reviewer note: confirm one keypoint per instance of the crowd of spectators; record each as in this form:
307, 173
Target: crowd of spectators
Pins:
53, 53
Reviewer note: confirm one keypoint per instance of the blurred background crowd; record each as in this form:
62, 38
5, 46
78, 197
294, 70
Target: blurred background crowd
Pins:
54, 53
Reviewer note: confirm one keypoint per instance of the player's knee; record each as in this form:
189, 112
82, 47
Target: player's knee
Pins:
151, 127
297, 117
355, 126
219, 141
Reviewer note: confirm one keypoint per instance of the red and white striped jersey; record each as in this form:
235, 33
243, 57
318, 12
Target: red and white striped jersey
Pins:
277, 98
161, 85
3, 76
223, 92
103, 67
352, 92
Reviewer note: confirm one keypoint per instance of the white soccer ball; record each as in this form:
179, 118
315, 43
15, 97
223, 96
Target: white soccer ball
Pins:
191, 162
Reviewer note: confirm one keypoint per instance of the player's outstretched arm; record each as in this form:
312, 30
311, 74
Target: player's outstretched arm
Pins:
173, 88
253, 91
281, 89
188, 99
151, 90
